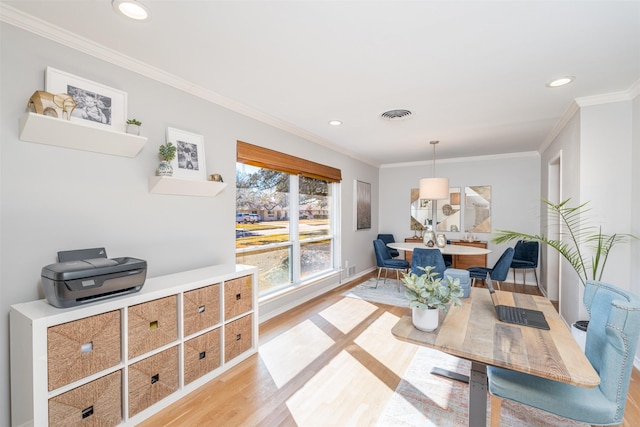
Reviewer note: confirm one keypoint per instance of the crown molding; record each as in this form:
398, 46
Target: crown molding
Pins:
463, 159
71, 40
586, 101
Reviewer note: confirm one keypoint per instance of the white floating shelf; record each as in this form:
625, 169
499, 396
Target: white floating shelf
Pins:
64, 133
184, 187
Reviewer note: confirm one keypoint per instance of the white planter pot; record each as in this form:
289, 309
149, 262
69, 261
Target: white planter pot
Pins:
579, 333
425, 320
133, 129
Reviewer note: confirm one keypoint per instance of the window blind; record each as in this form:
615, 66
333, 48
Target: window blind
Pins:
271, 159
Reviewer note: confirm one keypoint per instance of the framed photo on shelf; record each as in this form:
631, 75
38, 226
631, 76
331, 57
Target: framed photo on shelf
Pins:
363, 205
96, 104
190, 162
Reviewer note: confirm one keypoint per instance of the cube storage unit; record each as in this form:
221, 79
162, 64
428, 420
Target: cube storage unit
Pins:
118, 361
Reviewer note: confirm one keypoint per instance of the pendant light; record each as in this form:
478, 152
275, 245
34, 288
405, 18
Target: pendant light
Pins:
434, 188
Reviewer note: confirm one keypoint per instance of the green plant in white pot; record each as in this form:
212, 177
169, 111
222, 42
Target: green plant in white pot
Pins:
427, 294
580, 242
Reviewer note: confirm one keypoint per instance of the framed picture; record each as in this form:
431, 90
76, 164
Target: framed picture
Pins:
190, 161
363, 205
96, 104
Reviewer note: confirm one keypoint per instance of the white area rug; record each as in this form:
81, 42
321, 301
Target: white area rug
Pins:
390, 292
423, 399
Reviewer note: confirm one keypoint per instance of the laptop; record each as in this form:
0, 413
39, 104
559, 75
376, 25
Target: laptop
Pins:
516, 315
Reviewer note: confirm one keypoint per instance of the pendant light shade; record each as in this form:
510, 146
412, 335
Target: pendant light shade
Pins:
434, 188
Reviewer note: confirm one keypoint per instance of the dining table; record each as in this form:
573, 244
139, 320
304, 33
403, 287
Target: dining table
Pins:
446, 250
472, 331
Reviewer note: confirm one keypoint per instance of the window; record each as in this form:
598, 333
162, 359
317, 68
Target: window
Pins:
284, 220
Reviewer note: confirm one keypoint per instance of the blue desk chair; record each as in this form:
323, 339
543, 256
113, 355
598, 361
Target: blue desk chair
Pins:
525, 257
388, 238
386, 262
612, 337
499, 271
423, 257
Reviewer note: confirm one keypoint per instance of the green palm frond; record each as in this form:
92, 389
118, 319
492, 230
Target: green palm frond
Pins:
575, 233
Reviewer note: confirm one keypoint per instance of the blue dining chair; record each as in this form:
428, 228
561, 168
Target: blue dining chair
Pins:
612, 338
385, 262
525, 257
498, 272
388, 238
424, 257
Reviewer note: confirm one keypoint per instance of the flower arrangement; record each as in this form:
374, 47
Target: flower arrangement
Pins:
427, 291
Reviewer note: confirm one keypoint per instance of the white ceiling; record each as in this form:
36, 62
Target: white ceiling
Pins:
473, 73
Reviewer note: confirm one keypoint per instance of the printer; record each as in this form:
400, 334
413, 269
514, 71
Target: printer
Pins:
87, 275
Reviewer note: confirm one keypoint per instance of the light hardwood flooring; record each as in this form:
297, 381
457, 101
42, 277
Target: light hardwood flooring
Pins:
317, 367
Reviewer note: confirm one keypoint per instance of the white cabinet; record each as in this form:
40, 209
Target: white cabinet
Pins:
123, 359
64, 133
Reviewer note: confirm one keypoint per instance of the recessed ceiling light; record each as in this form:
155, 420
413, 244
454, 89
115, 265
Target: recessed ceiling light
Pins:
561, 81
335, 122
131, 9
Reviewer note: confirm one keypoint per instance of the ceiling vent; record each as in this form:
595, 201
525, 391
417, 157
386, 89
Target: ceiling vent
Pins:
395, 115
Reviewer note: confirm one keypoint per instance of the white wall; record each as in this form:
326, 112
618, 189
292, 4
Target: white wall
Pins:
567, 143
54, 199
515, 192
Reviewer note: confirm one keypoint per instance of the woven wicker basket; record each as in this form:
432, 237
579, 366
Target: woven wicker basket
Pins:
152, 379
98, 403
201, 309
237, 297
83, 347
201, 355
237, 337
152, 324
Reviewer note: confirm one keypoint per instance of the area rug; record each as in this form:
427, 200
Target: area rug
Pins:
423, 399
389, 292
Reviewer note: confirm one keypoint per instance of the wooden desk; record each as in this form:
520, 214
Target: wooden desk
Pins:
473, 332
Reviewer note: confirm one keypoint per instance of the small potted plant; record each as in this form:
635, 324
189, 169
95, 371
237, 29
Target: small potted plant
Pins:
133, 126
427, 294
167, 153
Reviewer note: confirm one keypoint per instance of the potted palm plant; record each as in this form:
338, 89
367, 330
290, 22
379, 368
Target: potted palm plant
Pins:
581, 243
427, 294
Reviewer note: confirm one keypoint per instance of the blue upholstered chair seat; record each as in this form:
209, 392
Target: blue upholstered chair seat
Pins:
518, 263
424, 257
525, 257
498, 272
588, 405
385, 262
396, 263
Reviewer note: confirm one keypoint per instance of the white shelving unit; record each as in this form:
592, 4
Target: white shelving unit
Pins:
49, 130
226, 295
184, 187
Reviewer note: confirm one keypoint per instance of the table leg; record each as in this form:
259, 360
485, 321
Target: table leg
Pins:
450, 374
478, 395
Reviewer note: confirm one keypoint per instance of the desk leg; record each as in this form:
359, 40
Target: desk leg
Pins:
478, 395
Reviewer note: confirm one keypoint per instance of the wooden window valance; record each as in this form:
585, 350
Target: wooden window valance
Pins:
271, 159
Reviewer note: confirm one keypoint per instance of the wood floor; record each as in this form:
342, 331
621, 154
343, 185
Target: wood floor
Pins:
313, 370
